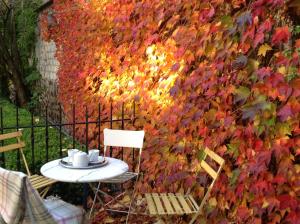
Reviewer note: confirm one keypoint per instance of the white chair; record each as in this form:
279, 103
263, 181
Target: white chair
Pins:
124, 139
21, 203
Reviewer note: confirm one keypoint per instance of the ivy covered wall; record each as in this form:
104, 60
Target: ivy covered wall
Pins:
221, 74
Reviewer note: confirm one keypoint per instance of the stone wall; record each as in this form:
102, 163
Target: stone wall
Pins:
48, 65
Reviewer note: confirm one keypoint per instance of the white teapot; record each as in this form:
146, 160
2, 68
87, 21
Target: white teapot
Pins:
80, 159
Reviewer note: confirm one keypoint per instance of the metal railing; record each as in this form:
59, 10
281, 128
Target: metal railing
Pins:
64, 129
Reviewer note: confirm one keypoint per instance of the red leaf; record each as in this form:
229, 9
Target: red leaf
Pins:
282, 60
258, 145
282, 35
259, 38
275, 3
152, 39
206, 14
287, 201
243, 213
260, 187
240, 190
180, 52
279, 179
190, 180
264, 72
293, 217
266, 26
285, 112
175, 67
297, 45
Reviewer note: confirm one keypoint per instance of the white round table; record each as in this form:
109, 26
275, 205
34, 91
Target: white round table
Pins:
53, 170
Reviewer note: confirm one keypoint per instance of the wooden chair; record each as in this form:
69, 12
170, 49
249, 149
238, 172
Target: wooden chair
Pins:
126, 139
164, 205
40, 183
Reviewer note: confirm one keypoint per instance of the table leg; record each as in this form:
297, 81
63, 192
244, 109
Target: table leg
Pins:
85, 196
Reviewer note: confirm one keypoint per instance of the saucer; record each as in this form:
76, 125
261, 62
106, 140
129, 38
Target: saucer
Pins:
100, 160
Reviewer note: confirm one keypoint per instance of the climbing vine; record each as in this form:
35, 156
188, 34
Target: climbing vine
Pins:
221, 74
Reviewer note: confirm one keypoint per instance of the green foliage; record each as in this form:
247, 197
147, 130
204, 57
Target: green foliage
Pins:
9, 115
26, 24
296, 29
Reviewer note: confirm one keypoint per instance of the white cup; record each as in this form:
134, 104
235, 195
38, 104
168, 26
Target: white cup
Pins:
80, 159
71, 153
93, 155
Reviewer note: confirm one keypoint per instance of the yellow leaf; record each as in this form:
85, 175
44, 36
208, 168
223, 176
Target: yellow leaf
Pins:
282, 70
213, 202
109, 220
265, 204
126, 199
263, 49
297, 168
252, 65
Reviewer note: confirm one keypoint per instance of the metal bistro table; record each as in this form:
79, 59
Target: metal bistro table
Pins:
54, 170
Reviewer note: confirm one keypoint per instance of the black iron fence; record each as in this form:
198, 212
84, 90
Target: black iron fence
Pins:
64, 129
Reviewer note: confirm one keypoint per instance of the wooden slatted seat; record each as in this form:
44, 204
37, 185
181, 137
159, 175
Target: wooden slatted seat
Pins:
122, 178
41, 183
171, 204
167, 204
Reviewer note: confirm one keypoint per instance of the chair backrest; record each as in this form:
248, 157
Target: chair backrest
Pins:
214, 174
19, 145
124, 138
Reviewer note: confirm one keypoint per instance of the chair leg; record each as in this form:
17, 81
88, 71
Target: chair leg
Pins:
161, 220
44, 192
113, 198
194, 218
94, 189
132, 199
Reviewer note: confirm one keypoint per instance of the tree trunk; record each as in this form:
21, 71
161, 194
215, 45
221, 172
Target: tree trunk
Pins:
4, 85
20, 88
10, 60
17, 68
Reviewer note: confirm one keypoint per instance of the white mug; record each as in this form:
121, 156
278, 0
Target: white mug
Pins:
80, 159
93, 155
71, 153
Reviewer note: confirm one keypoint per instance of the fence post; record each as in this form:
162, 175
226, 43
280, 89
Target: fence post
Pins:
99, 127
2, 142
86, 129
111, 123
32, 143
60, 131
47, 135
74, 120
133, 125
133, 113
17, 127
85, 186
122, 127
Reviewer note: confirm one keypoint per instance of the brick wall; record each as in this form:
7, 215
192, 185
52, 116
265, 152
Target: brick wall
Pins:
48, 65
